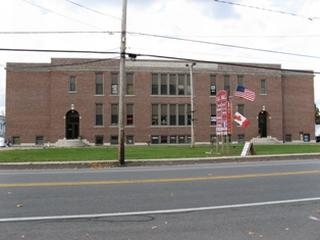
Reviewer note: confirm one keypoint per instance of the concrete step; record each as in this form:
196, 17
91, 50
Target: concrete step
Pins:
71, 143
266, 140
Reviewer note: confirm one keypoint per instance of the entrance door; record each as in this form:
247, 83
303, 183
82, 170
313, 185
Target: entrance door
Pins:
72, 124
262, 122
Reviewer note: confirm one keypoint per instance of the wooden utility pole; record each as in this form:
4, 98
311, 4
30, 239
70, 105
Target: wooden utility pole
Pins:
122, 80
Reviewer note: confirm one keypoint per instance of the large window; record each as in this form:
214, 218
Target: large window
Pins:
170, 84
99, 84
129, 90
171, 114
72, 87
99, 114
263, 86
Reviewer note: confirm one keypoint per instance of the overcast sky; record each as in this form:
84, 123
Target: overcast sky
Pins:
295, 30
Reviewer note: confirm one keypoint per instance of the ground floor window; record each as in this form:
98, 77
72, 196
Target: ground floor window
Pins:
130, 139
99, 139
39, 140
16, 140
114, 140
172, 139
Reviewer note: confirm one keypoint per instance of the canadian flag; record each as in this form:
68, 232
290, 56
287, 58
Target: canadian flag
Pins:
241, 120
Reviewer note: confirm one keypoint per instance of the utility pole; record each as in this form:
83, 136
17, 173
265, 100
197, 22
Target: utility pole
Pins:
191, 65
122, 73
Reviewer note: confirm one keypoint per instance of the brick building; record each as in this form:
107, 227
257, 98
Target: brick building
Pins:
78, 98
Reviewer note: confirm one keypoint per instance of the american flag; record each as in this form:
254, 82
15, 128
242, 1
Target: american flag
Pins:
245, 93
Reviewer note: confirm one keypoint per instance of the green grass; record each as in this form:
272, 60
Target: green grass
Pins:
144, 152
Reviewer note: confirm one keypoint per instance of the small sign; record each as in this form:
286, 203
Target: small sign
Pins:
247, 149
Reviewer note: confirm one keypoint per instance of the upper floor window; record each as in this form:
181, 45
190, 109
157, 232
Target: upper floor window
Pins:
99, 84
240, 109
240, 80
171, 114
72, 87
213, 85
99, 114
263, 86
115, 84
170, 84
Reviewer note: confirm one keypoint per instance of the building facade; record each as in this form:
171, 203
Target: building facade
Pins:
78, 98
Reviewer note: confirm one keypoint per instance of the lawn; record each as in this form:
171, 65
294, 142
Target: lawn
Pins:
145, 152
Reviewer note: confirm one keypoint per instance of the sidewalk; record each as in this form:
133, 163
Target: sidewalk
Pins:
155, 162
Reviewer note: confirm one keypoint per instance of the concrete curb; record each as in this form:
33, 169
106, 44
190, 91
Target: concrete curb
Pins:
154, 162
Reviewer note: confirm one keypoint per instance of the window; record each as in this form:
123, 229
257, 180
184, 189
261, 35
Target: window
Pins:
113, 139
39, 140
213, 85
114, 114
155, 84
227, 85
155, 139
129, 116
99, 84
181, 115
99, 114
172, 139
240, 81
263, 86
164, 114
241, 138
173, 84
181, 84
129, 78
170, 84
130, 139
16, 140
164, 84
163, 139
72, 84
114, 83
213, 115
155, 114
171, 114
99, 139
240, 109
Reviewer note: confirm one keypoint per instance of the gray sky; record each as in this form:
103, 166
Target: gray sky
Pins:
204, 20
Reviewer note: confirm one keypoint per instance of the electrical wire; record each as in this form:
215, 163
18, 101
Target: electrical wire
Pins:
133, 56
268, 10
92, 10
57, 13
224, 45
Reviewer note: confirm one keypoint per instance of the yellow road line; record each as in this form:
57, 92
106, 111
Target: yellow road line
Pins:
155, 180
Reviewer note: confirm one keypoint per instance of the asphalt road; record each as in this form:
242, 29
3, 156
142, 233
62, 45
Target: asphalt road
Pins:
257, 200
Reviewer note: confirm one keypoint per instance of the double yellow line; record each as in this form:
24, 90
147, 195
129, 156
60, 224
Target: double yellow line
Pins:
155, 180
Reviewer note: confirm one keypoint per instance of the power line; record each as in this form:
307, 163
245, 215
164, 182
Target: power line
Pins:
135, 55
55, 51
57, 13
268, 10
222, 63
92, 10
167, 37
224, 45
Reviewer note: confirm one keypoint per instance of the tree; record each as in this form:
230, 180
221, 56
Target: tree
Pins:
317, 114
